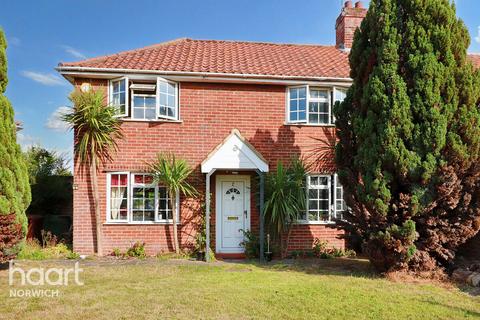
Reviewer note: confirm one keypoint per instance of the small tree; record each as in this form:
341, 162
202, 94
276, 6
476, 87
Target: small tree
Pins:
96, 131
285, 200
14, 187
173, 173
409, 135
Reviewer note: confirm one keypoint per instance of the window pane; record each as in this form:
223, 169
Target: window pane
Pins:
171, 88
137, 215
293, 93
313, 193
302, 105
313, 118
340, 94
171, 101
137, 203
302, 93
323, 205
323, 181
323, 193
313, 216
293, 116
122, 98
312, 204
323, 107
122, 84
302, 115
149, 215
170, 112
150, 102
293, 105
150, 114
323, 119
162, 192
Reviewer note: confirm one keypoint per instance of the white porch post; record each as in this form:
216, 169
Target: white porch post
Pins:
207, 215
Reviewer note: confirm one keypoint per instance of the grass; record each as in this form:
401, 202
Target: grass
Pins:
171, 289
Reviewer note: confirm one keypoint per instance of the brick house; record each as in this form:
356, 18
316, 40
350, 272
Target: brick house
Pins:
233, 110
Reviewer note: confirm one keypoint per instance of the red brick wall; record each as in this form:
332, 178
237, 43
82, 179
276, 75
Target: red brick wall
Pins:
346, 24
208, 113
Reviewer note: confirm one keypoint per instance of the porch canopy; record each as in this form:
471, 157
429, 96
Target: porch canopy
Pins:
234, 153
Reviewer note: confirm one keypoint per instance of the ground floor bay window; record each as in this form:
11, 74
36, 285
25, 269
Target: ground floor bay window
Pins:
135, 198
325, 201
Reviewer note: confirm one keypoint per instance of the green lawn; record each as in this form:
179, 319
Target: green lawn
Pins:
154, 289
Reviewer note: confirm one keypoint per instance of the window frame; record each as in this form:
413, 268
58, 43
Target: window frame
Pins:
331, 100
332, 196
133, 106
289, 120
176, 109
127, 95
128, 116
130, 221
109, 186
334, 99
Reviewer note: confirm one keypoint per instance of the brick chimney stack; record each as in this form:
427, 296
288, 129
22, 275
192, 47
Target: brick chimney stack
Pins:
347, 22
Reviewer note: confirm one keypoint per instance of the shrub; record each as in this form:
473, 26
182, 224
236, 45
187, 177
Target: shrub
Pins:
137, 250
32, 250
319, 247
251, 244
117, 253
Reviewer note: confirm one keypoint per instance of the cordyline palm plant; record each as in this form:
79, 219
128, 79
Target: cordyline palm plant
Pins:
173, 173
285, 200
96, 133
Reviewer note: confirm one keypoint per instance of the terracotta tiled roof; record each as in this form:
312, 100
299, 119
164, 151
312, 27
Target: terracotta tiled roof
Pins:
232, 57
229, 57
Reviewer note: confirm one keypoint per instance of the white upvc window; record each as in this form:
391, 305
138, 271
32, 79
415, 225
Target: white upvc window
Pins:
146, 99
144, 106
118, 89
324, 200
167, 99
339, 95
135, 198
312, 105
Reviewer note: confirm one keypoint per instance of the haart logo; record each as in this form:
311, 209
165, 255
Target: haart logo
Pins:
42, 277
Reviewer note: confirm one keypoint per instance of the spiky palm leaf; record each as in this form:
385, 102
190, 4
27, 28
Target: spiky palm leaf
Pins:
173, 173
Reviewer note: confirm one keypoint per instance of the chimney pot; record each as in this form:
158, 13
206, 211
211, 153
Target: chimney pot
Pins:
348, 4
358, 4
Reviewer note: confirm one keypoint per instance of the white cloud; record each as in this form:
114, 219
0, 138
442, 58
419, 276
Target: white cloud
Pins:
74, 52
477, 38
55, 122
47, 79
26, 141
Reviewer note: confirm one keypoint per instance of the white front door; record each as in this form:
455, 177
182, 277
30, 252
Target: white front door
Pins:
232, 212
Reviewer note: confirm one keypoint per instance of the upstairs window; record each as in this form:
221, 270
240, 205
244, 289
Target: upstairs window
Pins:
167, 93
119, 95
144, 106
312, 105
150, 99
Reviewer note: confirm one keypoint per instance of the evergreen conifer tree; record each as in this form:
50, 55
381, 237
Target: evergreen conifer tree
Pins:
14, 185
409, 135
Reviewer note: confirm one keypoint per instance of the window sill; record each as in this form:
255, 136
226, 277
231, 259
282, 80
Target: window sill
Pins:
157, 120
134, 223
308, 124
315, 222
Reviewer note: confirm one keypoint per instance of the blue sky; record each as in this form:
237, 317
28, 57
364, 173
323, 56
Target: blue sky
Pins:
43, 33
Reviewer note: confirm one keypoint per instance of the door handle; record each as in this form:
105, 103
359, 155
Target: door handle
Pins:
246, 213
